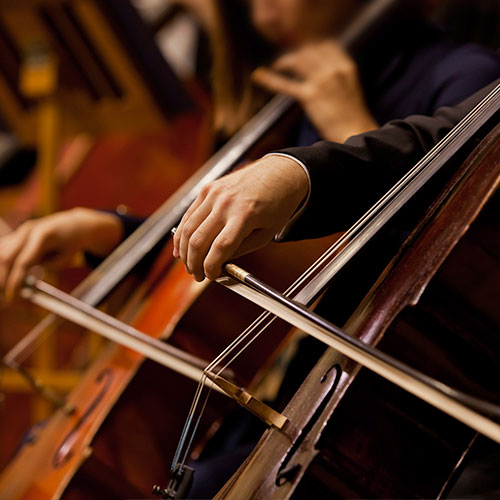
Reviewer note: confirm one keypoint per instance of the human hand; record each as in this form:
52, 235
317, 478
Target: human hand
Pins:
54, 240
324, 79
238, 214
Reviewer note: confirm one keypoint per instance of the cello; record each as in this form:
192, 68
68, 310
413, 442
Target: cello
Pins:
81, 462
348, 433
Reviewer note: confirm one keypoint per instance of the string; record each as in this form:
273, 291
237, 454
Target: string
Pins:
363, 222
366, 218
335, 253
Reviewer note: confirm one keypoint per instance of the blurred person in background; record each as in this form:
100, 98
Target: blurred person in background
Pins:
287, 46
408, 68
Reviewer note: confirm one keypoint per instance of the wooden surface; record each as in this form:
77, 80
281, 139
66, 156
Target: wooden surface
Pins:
436, 309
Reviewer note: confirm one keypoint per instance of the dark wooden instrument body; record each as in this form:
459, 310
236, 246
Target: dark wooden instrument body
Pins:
435, 307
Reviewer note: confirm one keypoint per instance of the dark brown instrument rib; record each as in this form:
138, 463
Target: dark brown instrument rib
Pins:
379, 441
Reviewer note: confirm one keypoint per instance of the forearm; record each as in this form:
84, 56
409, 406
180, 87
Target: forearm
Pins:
347, 179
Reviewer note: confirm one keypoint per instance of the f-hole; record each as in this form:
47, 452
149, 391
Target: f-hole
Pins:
286, 471
65, 450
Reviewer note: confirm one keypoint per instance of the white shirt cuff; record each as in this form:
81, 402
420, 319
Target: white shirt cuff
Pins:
281, 235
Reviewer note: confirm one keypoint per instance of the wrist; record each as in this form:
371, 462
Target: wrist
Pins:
101, 231
293, 172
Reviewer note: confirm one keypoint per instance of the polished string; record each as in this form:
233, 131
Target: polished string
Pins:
299, 289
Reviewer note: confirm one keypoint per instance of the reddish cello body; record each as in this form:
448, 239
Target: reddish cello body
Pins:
128, 412
157, 162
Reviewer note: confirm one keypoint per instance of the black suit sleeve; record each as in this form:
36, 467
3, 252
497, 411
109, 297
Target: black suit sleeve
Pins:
347, 179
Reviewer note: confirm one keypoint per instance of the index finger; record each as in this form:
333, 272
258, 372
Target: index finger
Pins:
278, 83
178, 230
299, 63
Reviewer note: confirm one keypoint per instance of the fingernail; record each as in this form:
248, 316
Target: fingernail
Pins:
175, 253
